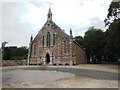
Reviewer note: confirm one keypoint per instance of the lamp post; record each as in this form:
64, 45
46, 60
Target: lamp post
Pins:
3, 47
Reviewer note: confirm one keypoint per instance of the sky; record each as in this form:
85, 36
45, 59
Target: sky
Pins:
20, 19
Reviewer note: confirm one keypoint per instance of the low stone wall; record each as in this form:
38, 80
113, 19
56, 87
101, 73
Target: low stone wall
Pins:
13, 62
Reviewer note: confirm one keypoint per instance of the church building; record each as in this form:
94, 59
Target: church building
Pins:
53, 46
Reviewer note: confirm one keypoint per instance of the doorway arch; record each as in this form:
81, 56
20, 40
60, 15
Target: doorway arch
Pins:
47, 58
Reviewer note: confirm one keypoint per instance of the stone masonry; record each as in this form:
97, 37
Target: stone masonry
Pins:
54, 47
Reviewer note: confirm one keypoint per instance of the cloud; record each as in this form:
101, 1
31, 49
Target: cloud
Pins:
97, 23
14, 31
21, 19
0, 22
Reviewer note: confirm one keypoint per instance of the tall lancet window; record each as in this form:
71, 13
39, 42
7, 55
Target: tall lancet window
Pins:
48, 39
34, 49
43, 41
53, 39
65, 48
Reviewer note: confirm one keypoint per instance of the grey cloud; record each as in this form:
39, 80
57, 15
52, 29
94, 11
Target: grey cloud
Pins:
97, 23
80, 31
41, 4
105, 5
82, 2
17, 32
14, 31
0, 23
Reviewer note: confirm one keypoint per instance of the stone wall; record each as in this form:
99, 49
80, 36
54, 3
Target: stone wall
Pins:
13, 62
78, 54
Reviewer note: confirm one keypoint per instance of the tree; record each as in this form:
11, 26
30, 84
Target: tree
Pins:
15, 53
112, 21
79, 39
94, 44
113, 13
6, 54
113, 41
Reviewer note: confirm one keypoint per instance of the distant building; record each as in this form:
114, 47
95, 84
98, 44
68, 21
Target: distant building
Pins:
53, 46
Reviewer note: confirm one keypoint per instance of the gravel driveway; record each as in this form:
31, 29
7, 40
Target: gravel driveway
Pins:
82, 72
83, 76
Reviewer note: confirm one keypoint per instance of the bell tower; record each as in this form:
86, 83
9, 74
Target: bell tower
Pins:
49, 15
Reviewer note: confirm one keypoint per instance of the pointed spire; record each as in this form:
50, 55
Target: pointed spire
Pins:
49, 10
31, 38
49, 16
70, 32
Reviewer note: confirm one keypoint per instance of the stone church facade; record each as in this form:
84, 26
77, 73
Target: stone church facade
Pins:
53, 46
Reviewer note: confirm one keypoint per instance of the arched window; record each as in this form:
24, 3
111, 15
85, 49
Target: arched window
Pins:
68, 47
43, 41
53, 39
34, 49
48, 39
65, 48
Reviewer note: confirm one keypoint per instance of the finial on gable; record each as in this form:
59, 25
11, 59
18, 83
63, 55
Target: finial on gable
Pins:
50, 6
31, 38
49, 16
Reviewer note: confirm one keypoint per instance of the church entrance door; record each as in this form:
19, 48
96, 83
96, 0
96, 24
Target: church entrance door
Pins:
47, 58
